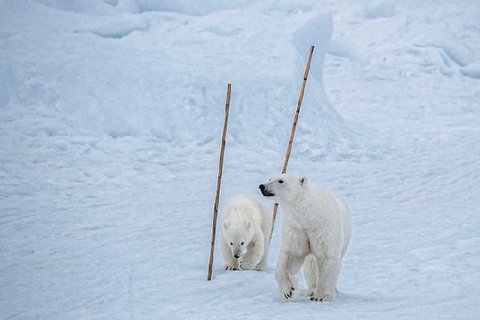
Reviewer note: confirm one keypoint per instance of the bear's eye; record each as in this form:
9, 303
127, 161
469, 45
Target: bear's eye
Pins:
280, 181
242, 243
231, 243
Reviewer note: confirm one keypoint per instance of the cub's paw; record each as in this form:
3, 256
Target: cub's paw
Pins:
231, 267
259, 267
244, 265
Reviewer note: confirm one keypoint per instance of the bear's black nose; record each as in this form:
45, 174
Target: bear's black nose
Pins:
236, 257
262, 187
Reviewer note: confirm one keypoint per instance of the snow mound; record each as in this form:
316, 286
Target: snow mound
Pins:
377, 9
120, 28
292, 7
471, 70
114, 7
340, 46
93, 7
190, 7
442, 44
317, 32
171, 85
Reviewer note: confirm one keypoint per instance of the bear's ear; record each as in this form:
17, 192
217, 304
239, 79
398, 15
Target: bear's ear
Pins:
247, 225
302, 180
226, 225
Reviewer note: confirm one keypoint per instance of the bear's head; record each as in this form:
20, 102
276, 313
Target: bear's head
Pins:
285, 187
238, 237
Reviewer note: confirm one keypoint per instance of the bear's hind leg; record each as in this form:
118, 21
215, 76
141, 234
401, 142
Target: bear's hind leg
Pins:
328, 269
310, 273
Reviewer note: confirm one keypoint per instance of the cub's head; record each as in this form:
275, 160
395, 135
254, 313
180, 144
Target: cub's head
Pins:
238, 236
284, 187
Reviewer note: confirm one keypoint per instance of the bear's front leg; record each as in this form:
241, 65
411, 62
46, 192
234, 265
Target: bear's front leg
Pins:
285, 273
328, 269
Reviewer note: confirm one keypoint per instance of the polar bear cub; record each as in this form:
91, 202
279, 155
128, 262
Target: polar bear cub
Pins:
246, 225
316, 231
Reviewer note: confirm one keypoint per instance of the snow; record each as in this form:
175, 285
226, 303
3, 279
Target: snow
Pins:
110, 120
377, 9
471, 70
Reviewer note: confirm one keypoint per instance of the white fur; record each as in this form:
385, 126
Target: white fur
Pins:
316, 231
245, 220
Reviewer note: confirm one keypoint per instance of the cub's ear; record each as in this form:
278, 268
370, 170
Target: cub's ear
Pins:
247, 225
302, 180
226, 225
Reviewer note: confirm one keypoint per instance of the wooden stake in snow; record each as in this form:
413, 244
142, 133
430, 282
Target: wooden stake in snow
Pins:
294, 128
219, 182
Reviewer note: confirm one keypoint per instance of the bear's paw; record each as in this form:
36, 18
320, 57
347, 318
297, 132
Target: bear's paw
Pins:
322, 298
288, 293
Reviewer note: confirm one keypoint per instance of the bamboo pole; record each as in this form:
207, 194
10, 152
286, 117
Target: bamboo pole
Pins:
294, 128
219, 182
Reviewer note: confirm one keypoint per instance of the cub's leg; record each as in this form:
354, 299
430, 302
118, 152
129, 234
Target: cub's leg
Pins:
254, 254
230, 262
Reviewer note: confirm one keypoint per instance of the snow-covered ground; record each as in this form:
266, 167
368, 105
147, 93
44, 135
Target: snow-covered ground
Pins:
110, 120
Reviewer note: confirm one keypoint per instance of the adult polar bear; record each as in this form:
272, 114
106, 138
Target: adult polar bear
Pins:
246, 226
316, 231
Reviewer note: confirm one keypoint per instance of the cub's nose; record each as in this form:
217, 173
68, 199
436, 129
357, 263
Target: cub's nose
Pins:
236, 257
262, 187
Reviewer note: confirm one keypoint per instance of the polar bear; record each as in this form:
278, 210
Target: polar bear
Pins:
246, 226
316, 231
